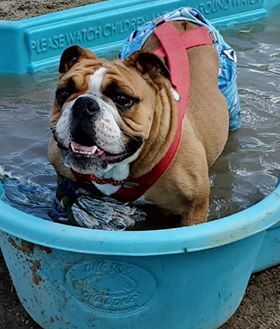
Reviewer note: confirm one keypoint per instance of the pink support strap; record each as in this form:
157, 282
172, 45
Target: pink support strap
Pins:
191, 38
173, 46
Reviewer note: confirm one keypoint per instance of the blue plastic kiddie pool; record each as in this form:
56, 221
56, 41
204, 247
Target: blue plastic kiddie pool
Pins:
75, 278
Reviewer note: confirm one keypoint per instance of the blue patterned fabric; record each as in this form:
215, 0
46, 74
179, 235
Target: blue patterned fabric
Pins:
227, 56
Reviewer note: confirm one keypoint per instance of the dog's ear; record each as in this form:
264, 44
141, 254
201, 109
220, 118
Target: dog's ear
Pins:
70, 57
149, 63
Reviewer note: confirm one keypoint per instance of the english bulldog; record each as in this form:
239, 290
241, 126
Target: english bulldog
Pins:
113, 121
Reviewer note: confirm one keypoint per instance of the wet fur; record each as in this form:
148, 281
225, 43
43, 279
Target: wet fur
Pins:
184, 188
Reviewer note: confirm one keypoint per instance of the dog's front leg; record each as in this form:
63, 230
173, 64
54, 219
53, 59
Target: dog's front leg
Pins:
198, 204
197, 213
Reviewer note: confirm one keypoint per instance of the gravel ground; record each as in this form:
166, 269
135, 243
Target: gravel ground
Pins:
260, 308
18, 9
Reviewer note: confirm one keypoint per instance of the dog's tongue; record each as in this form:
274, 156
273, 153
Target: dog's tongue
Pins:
82, 149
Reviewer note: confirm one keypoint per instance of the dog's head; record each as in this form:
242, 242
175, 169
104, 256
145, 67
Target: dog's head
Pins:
103, 110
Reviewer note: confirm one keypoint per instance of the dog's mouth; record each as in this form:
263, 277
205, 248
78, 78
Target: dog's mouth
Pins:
89, 152
87, 159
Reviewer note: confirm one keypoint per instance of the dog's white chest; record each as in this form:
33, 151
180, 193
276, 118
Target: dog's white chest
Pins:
107, 189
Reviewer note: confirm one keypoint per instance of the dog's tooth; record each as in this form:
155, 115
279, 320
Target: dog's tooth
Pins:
99, 151
81, 149
72, 147
93, 150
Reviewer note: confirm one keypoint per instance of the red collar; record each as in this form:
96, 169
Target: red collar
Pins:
173, 47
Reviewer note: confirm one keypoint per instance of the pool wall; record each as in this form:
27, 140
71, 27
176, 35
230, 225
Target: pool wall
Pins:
36, 43
186, 278
67, 290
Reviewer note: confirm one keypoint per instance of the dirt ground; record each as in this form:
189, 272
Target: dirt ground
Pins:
18, 9
260, 308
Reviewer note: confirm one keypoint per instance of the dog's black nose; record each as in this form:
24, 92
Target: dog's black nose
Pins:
84, 113
84, 106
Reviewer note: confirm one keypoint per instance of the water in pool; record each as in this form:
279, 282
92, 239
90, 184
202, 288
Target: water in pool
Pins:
246, 172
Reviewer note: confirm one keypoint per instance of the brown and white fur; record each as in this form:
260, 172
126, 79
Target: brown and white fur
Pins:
131, 115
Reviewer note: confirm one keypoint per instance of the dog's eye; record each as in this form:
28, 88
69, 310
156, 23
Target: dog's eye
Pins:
123, 100
62, 94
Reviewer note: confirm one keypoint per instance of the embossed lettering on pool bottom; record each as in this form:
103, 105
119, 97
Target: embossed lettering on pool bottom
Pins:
111, 286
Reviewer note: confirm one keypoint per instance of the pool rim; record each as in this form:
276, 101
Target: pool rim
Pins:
229, 229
